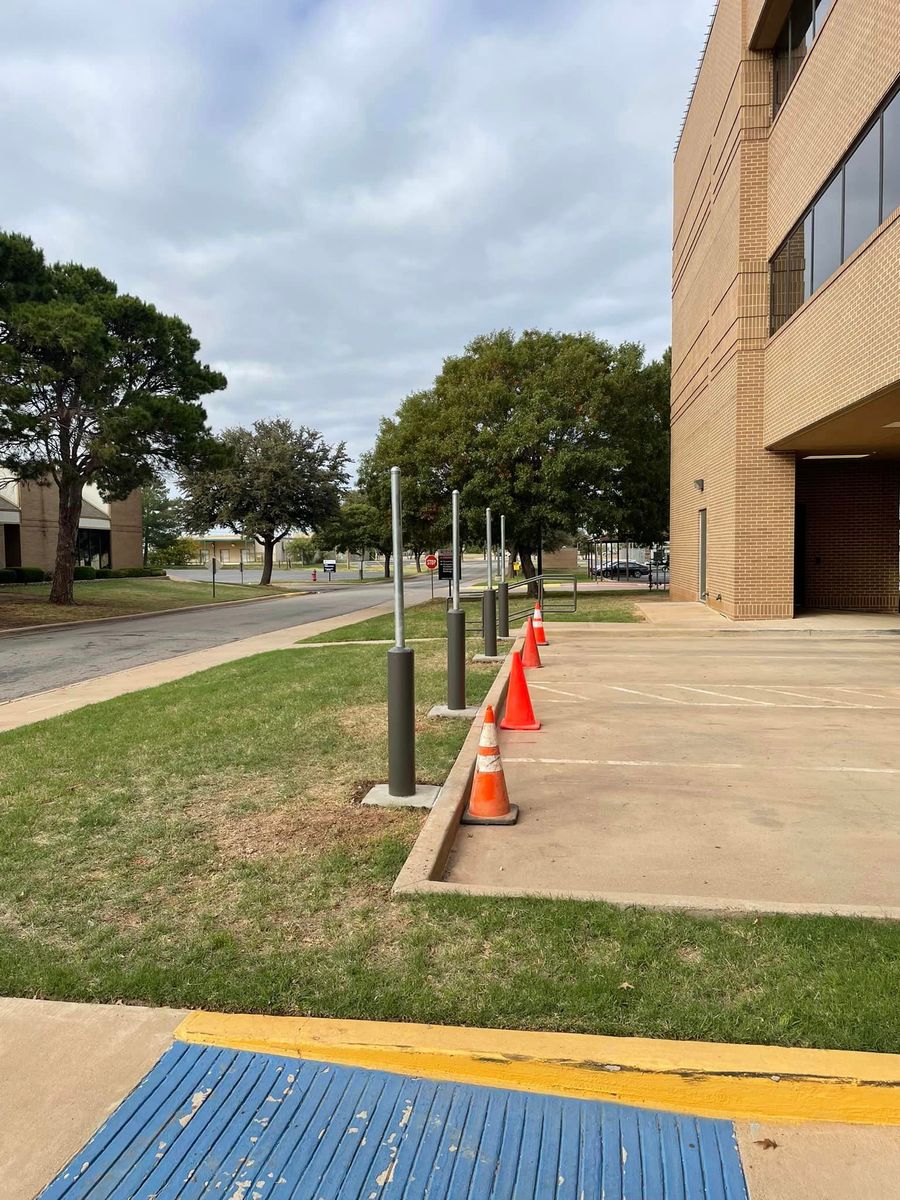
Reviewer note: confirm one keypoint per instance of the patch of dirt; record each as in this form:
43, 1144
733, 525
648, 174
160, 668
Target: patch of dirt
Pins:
308, 829
364, 720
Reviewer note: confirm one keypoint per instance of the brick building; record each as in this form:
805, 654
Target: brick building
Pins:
109, 534
786, 312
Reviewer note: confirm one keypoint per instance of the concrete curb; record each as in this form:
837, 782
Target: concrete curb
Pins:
160, 612
764, 1083
426, 862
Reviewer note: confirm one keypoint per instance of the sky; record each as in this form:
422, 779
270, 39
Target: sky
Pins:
337, 194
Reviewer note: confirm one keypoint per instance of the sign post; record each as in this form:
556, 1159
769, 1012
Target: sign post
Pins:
431, 563
214, 576
401, 671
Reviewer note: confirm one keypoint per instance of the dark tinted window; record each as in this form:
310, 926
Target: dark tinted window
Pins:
891, 198
861, 198
864, 192
827, 233
803, 22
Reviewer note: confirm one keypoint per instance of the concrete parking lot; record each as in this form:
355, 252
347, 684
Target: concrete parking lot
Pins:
705, 769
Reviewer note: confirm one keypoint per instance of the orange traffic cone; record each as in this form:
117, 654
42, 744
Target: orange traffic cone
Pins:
539, 636
519, 712
489, 800
530, 656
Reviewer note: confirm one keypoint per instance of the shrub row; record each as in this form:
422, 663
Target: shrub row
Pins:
23, 575
129, 572
39, 575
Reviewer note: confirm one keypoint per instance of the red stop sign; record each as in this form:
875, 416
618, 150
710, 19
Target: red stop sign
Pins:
431, 561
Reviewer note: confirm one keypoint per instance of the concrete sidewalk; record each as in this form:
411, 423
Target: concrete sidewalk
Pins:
65, 1068
697, 769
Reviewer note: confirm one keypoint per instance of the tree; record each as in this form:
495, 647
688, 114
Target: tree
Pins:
95, 388
163, 519
403, 441
557, 431
359, 526
272, 478
180, 553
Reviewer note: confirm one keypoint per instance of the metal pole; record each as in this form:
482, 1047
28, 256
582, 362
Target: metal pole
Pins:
456, 625
456, 572
503, 586
400, 672
489, 599
214, 576
488, 547
397, 539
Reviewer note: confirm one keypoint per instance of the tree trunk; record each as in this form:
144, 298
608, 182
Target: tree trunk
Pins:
387, 564
62, 590
418, 554
268, 555
528, 571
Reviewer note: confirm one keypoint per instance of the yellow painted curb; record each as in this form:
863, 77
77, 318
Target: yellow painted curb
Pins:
763, 1083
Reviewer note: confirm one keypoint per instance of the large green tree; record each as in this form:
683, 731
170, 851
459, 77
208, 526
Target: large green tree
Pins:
403, 441
95, 388
560, 432
358, 526
272, 478
163, 518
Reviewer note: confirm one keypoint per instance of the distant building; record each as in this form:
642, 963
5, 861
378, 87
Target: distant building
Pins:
109, 533
786, 312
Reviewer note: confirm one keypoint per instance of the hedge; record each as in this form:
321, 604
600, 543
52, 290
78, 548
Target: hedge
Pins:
7, 575
85, 573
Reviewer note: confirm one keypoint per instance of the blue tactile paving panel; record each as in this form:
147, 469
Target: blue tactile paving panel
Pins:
211, 1123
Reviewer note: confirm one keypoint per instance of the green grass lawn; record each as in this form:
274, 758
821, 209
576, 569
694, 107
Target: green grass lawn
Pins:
26, 604
430, 619
201, 844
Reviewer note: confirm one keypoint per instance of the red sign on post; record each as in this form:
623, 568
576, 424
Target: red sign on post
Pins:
431, 561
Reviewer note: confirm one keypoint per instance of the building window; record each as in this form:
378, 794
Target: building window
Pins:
804, 21
92, 548
862, 192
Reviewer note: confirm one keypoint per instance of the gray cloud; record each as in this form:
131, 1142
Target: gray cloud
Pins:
337, 194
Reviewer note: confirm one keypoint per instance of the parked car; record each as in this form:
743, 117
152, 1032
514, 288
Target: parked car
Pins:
622, 569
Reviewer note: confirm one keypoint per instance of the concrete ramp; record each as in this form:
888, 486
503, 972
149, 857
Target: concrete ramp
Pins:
213, 1122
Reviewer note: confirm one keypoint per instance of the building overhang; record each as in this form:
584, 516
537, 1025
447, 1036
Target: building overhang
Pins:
770, 23
871, 428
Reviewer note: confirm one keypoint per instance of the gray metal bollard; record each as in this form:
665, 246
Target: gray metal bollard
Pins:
503, 608
489, 620
401, 721
456, 659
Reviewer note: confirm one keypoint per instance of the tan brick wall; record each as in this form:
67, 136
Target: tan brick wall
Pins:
126, 532
851, 544
39, 517
854, 61
842, 345
740, 183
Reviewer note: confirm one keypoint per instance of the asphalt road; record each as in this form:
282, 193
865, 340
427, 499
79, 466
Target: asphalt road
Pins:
36, 662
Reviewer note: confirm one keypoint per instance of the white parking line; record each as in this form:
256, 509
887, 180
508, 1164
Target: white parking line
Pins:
543, 688
706, 692
764, 687
649, 695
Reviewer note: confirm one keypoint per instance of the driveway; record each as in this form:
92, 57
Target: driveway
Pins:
705, 770
45, 659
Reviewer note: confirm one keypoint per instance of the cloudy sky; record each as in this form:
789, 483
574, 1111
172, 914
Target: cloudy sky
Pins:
336, 194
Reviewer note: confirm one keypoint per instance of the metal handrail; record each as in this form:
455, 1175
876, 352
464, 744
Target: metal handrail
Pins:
548, 602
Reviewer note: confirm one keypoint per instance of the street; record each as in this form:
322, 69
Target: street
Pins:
45, 659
